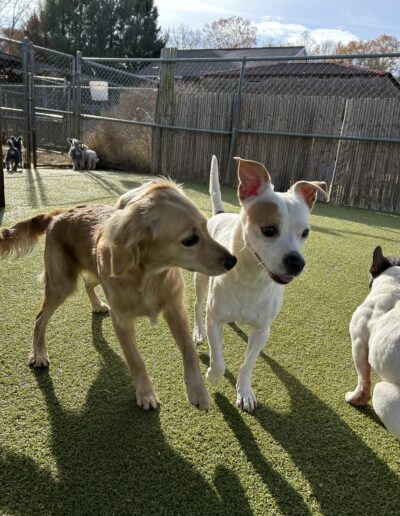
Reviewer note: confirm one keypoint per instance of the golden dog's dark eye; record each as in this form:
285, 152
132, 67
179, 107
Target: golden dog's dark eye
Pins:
305, 233
269, 231
190, 241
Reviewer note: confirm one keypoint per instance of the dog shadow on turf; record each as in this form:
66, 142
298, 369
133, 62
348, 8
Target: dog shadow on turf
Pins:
112, 458
343, 472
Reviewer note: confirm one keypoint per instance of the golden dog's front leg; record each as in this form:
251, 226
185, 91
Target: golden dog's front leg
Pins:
177, 321
146, 396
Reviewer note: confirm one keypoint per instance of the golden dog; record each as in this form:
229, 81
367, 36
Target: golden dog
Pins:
134, 251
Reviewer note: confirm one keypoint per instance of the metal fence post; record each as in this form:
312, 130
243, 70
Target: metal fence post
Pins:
229, 174
25, 65
2, 194
77, 97
165, 106
32, 105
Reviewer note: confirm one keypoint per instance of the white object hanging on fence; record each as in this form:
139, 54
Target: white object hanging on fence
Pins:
98, 90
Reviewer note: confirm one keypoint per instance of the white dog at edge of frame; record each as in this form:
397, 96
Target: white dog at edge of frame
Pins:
266, 237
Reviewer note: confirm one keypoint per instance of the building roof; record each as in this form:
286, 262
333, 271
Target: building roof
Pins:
300, 69
199, 69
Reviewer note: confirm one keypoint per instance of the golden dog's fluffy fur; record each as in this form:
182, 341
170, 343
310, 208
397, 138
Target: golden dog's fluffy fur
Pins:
134, 250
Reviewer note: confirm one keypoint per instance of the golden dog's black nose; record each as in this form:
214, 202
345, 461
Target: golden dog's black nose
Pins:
230, 262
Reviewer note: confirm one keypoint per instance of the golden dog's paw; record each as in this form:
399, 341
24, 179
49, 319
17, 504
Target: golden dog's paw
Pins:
39, 360
197, 393
101, 309
146, 398
358, 397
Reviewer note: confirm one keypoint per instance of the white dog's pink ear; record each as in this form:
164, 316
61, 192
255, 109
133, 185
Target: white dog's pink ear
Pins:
253, 178
309, 190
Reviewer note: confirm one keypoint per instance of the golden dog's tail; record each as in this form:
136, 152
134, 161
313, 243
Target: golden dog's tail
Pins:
21, 238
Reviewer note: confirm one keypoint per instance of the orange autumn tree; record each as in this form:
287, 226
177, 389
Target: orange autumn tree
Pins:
382, 44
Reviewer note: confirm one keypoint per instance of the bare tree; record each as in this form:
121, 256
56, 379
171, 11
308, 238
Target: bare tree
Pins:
13, 13
4, 8
314, 47
233, 32
184, 37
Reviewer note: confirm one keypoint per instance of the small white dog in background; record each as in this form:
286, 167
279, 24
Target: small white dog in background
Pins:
89, 158
375, 336
81, 157
266, 237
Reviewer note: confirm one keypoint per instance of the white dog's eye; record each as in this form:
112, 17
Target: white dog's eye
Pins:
305, 233
269, 231
190, 241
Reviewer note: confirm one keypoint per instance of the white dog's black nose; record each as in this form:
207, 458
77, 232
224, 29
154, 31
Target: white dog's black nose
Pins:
229, 262
294, 263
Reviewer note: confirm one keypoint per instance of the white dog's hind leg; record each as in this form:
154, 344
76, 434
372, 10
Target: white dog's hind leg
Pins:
362, 394
96, 303
201, 284
386, 403
217, 363
246, 398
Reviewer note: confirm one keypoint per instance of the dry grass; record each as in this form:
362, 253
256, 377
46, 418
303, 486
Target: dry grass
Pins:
122, 146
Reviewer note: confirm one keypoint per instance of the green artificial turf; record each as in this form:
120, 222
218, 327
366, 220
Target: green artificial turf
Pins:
73, 441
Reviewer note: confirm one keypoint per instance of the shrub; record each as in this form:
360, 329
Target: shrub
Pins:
124, 146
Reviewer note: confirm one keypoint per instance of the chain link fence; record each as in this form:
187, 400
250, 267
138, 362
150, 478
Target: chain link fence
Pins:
118, 107
13, 93
333, 118
53, 92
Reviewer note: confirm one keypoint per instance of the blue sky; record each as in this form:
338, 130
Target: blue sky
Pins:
280, 20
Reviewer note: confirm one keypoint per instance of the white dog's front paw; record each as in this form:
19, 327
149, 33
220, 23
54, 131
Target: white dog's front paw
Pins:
246, 399
359, 397
199, 335
215, 373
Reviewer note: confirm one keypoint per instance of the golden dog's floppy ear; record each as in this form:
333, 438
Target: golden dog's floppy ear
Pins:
253, 178
309, 190
119, 246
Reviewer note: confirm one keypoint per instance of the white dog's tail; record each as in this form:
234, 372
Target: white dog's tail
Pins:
215, 190
386, 403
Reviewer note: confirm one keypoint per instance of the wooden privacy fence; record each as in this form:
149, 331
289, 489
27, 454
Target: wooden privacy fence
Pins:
367, 174
362, 173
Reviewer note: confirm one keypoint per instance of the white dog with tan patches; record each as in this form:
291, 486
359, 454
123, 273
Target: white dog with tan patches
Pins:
375, 336
266, 237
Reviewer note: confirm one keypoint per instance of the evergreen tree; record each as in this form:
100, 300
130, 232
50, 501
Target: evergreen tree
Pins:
104, 28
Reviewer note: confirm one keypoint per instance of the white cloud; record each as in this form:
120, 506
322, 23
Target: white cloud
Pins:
273, 28
190, 12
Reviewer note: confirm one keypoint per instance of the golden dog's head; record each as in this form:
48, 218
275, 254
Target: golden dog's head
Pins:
155, 227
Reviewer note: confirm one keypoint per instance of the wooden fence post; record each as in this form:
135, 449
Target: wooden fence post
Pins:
165, 106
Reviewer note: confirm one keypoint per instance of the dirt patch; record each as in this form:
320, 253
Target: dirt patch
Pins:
46, 159
52, 159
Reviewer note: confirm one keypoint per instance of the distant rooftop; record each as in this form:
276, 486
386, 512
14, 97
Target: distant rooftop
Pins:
197, 69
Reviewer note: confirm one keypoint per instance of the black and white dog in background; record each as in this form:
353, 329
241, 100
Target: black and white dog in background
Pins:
18, 144
12, 156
